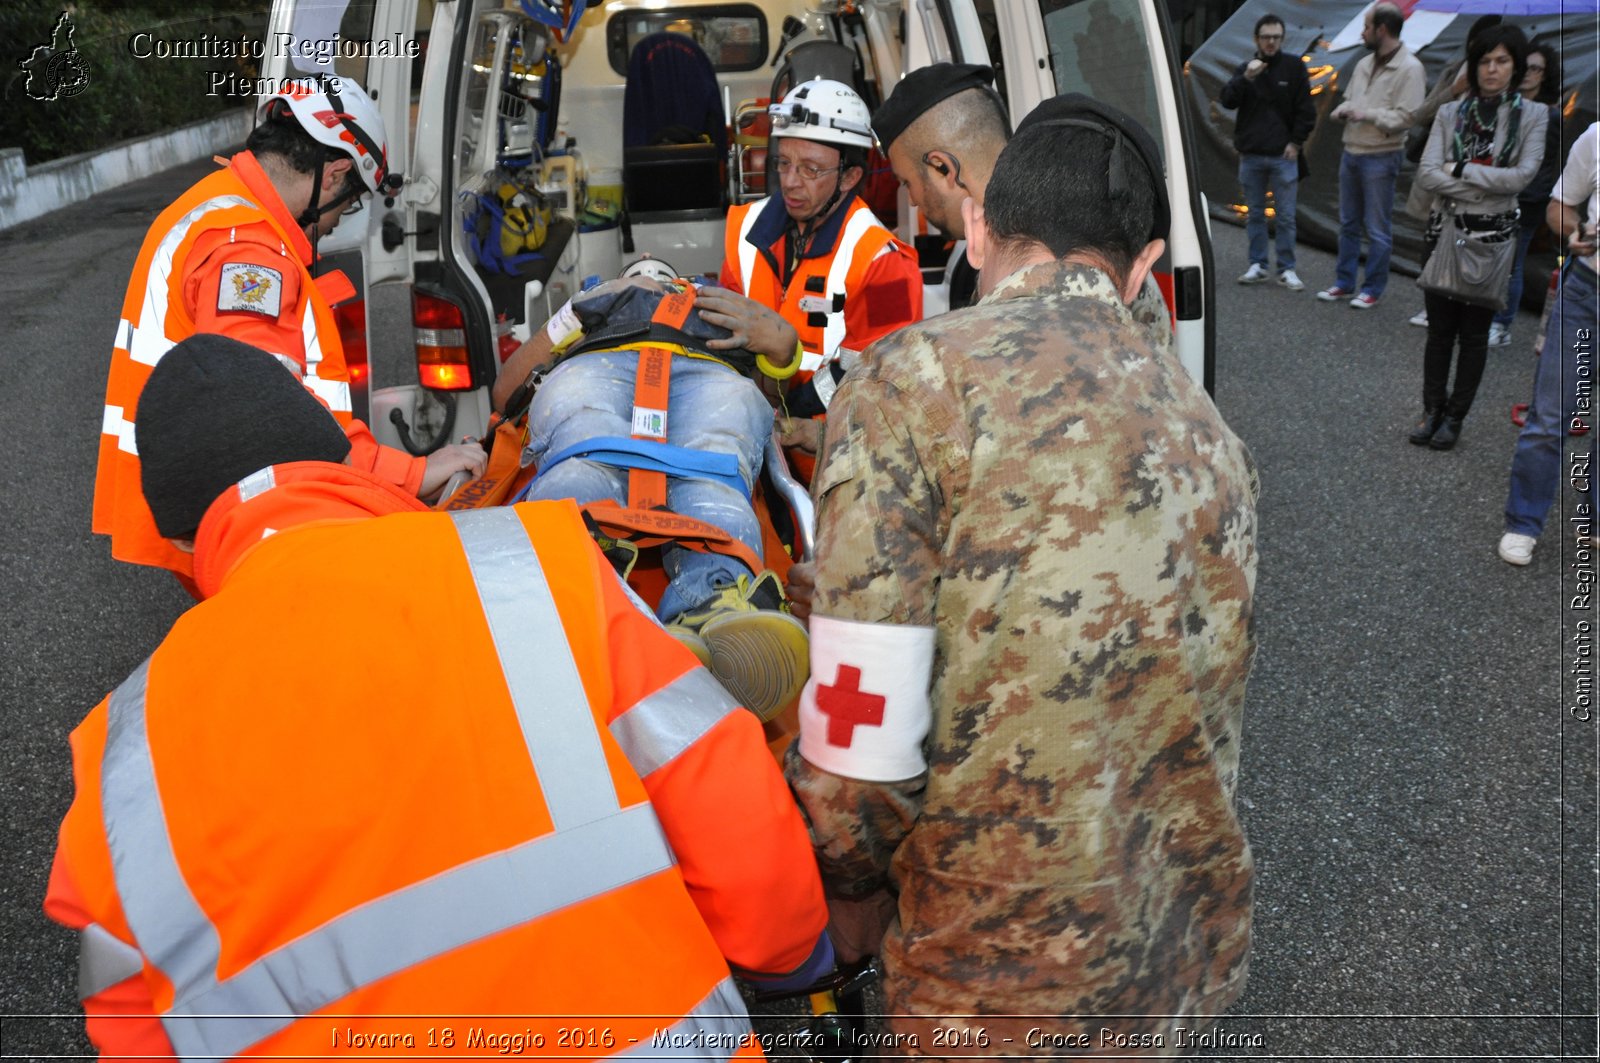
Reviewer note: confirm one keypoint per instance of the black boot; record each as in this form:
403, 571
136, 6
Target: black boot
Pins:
1431, 420
1448, 433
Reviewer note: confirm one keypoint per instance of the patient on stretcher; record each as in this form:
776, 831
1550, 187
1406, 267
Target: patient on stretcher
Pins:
639, 399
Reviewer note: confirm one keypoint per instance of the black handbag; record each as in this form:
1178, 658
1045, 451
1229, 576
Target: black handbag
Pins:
1471, 262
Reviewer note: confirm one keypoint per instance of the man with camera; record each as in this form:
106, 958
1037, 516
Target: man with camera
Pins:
1273, 96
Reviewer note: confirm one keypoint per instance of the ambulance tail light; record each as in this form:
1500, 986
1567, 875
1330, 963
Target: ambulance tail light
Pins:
441, 340
351, 319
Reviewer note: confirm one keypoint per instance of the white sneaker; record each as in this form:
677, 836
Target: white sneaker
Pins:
1516, 549
1291, 280
1499, 336
1419, 319
1255, 274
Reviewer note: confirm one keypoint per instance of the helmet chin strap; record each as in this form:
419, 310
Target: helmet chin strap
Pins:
826, 208
311, 215
315, 209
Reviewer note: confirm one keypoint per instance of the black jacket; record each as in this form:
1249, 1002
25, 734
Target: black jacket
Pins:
1537, 194
1275, 109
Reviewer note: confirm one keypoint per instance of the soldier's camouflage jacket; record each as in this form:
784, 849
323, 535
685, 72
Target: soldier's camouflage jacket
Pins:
1044, 491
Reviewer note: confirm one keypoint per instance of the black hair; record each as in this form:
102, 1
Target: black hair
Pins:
1488, 41
1049, 186
282, 135
1550, 87
1479, 26
851, 155
1390, 18
1268, 19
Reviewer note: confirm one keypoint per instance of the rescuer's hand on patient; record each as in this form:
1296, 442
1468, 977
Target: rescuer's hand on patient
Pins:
449, 460
755, 327
802, 433
800, 588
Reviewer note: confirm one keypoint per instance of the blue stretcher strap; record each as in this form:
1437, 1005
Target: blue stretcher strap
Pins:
627, 453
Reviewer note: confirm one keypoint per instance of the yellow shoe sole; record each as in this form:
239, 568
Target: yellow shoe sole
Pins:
762, 657
691, 641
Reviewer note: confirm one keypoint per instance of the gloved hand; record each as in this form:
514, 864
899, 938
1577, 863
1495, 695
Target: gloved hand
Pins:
818, 964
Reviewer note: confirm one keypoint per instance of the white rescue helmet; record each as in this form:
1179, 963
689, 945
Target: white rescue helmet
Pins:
825, 111
653, 268
339, 113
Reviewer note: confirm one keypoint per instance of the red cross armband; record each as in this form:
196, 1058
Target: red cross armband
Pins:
865, 710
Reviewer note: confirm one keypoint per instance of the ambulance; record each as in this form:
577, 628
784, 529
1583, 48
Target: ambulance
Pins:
516, 125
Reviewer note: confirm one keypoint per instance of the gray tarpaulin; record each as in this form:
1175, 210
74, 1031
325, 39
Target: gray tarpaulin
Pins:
1327, 32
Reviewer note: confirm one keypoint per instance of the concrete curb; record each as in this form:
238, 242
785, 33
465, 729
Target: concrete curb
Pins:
28, 192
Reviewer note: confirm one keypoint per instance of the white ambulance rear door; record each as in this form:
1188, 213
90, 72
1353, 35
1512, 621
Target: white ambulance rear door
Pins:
1118, 51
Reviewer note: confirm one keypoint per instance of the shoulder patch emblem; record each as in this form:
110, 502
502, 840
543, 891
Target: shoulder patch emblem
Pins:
252, 289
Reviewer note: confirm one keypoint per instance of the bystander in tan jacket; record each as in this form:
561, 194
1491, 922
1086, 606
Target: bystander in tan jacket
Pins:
1388, 94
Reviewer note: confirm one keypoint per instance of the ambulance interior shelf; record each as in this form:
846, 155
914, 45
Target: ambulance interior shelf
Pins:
511, 280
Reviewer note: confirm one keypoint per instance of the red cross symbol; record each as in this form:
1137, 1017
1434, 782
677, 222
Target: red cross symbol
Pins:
846, 705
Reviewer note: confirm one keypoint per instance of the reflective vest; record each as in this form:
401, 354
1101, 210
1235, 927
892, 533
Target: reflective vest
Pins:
814, 300
154, 317
440, 852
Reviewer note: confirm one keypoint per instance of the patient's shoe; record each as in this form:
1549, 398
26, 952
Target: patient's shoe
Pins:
752, 645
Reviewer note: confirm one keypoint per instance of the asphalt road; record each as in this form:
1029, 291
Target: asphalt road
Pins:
1420, 801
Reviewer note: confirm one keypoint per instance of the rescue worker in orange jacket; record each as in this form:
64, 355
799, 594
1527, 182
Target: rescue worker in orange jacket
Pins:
232, 256
816, 253
504, 809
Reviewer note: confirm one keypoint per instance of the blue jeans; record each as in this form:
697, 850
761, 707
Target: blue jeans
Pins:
1526, 229
1566, 371
1366, 204
1256, 174
710, 408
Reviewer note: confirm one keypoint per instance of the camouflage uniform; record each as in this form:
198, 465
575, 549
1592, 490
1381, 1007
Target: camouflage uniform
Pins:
1055, 499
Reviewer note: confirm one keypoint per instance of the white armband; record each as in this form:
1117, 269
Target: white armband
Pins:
865, 710
562, 324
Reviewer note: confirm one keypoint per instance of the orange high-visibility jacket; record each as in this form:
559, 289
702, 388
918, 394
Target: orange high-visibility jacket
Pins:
855, 282
497, 789
226, 257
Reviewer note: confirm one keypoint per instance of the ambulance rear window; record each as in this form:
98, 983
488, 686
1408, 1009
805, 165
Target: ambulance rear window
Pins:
1100, 48
733, 35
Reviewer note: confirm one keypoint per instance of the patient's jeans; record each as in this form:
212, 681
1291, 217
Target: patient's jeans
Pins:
710, 408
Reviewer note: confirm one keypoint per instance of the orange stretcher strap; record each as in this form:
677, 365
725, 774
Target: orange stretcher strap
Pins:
501, 475
655, 527
647, 488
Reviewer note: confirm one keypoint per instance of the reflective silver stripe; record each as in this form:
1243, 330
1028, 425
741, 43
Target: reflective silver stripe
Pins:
543, 678
747, 250
167, 923
589, 854
412, 925
825, 386
860, 222
658, 728
113, 423
104, 960
715, 1029
145, 339
336, 393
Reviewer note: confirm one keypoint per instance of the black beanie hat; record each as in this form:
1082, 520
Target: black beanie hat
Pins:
214, 411
920, 90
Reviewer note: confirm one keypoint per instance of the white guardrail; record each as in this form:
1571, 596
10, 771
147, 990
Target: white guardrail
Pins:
26, 192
